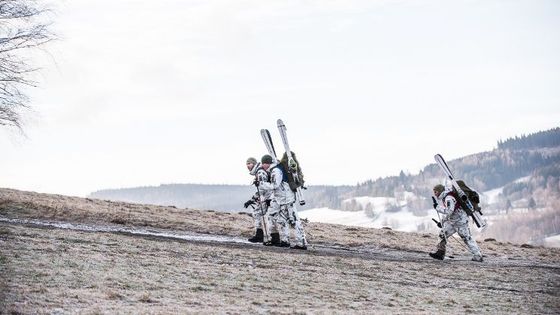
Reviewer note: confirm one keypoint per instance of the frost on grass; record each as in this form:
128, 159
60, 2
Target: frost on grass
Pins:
346, 269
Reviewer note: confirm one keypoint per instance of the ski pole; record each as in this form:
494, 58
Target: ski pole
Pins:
263, 213
462, 245
440, 220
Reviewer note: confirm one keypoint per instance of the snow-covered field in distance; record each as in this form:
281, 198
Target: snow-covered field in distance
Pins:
403, 220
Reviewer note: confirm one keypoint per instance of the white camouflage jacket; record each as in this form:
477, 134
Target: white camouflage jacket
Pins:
447, 205
262, 177
280, 190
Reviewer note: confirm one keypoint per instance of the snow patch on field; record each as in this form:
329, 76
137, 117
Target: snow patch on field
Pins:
401, 221
523, 179
393, 212
552, 241
326, 215
491, 196
372, 212
376, 202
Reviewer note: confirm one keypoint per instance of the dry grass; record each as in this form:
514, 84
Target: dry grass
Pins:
383, 271
19, 204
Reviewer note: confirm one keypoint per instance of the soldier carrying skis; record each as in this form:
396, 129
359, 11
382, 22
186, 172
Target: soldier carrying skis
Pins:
283, 199
284, 183
293, 216
455, 219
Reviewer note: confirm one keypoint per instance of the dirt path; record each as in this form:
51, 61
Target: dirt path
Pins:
314, 249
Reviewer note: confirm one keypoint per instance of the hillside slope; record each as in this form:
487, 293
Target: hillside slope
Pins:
63, 254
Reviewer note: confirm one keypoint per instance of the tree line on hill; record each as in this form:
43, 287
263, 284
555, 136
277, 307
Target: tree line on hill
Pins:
536, 156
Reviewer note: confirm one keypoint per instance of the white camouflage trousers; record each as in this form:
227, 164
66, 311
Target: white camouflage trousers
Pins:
271, 217
462, 228
258, 216
281, 218
295, 222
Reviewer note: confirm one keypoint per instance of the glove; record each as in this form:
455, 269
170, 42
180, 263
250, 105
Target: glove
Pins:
256, 182
267, 202
248, 203
435, 202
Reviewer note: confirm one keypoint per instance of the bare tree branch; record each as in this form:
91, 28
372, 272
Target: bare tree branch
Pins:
22, 29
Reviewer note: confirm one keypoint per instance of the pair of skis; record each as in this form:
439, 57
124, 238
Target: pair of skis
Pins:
471, 211
292, 165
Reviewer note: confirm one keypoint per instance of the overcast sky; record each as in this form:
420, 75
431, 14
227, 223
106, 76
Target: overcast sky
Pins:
140, 93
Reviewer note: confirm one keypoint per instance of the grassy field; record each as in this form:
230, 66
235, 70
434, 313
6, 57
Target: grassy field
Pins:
347, 269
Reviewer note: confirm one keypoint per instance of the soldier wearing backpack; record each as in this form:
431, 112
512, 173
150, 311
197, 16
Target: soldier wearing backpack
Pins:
455, 219
293, 217
283, 199
260, 200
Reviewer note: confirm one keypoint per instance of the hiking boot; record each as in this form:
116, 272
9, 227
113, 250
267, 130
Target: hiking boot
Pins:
259, 235
283, 244
274, 240
477, 258
302, 247
439, 254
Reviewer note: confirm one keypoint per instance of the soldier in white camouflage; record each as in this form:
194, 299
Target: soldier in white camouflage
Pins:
454, 219
259, 201
292, 214
281, 206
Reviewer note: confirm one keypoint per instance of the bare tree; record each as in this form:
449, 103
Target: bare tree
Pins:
23, 28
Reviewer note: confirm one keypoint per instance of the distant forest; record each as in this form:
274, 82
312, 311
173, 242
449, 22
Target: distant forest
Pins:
536, 155
541, 139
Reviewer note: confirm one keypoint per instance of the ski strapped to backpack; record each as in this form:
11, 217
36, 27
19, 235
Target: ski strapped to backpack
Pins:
291, 171
468, 198
265, 134
295, 177
472, 195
